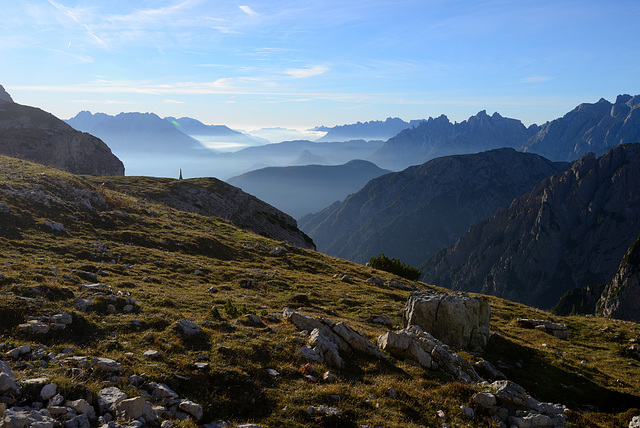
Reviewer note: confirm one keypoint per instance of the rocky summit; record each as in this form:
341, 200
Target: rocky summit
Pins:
572, 230
35, 135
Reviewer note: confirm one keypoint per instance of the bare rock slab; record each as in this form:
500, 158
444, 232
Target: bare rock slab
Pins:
457, 319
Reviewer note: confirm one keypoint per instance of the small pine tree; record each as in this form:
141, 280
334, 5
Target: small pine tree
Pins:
395, 266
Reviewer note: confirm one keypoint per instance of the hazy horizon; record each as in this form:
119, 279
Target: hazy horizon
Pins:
299, 65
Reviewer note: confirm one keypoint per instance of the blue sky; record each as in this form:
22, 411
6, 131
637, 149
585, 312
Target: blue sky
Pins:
252, 64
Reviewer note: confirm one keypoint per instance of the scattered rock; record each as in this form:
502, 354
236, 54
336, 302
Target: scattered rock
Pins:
48, 391
558, 330
187, 328
153, 354
108, 398
191, 408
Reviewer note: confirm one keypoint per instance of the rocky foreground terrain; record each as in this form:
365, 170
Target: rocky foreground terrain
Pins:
119, 311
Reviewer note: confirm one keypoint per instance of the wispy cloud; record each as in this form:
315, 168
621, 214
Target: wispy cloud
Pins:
536, 79
173, 101
301, 73
248, 10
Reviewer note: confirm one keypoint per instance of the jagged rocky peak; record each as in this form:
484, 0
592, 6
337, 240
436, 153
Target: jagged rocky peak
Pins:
4, 95
621, 297
558, 237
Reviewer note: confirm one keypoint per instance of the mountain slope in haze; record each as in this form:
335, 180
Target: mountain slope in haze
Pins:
414, 213
214, 198
589, 128
35, 135
220, 134
298, 190
621, 297
571, 231
439, 137
372, 130
147, 144
287, 153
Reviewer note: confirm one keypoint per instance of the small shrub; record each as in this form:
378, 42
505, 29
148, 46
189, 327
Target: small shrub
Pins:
233, 311
395, 266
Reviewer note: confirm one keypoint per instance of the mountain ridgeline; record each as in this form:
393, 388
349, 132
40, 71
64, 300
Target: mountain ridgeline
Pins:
589, 128
372, 130
299, 190
439, 137
572, 230
35, 135
416, 212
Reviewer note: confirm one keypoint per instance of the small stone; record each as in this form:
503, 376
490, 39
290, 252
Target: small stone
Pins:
83, 407
127, 309
109, 397
467, 411
191, 408
392, 393
48, 391
111, 309
329, 377
153, 354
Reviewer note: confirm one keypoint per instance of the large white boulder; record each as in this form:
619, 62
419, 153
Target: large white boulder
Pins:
457, 319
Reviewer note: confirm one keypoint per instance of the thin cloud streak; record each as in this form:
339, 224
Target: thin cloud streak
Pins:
302, 73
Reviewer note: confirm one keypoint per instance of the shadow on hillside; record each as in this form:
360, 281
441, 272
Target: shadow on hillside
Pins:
551, 383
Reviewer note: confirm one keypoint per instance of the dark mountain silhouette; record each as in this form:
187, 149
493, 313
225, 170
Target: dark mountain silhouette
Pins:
621, 297
570, 231
414, 213
298, 190
35, 135
589, 128
439, 137
373, 130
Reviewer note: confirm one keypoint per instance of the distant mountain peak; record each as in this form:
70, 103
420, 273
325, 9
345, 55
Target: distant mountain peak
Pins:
4, 95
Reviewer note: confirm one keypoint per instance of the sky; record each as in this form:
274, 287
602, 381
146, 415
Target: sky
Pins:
300, 64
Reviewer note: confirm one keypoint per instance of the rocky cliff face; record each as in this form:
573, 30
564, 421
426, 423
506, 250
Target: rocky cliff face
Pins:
439, 137
621, 297
4, 95
416, 212
570, 231
589, 128
35, 135
212, 197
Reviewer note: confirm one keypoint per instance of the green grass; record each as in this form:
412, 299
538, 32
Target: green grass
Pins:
167, 260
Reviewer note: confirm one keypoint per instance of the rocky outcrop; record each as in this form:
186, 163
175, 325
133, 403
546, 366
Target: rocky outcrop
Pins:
555, 329
213, 197
457, 319
589, 128
328, 341
416, 212
571, 231
32, 134
621, 297
413, 345
439, 137
4, 95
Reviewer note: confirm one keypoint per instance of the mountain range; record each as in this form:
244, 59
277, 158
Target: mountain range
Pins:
372, 130
572, 230
439, 137
416, 212
588, 128
299, 190
35, 135
213, 136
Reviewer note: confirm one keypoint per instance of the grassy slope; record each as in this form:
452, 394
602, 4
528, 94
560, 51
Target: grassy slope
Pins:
167, 260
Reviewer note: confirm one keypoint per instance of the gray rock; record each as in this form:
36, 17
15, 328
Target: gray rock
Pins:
107, 365
187, 328
191, 408
108, 398
80, 421
7, 379
153, 354
83, 407
48, 391
558, 330
467, 411
82, 304
217, 424
134, 408
635, 422
485, 399
456, 319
